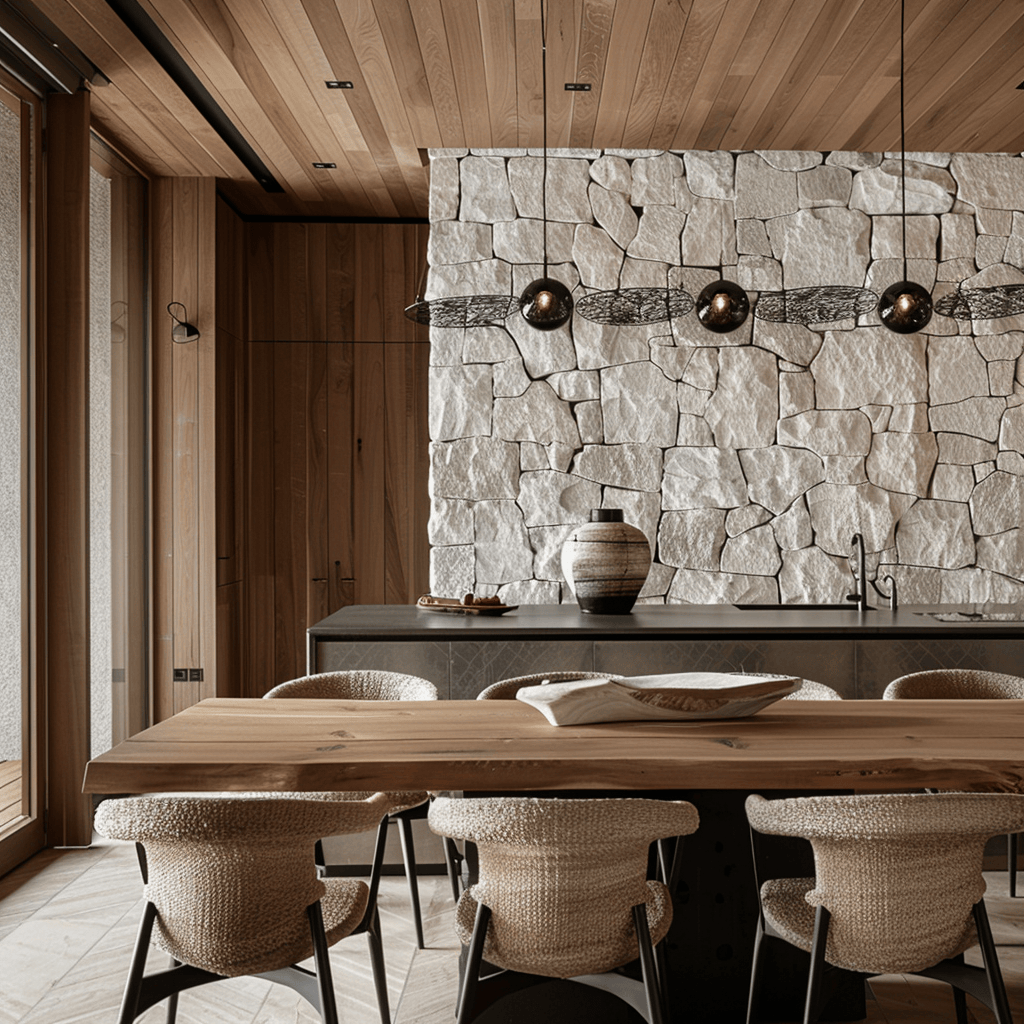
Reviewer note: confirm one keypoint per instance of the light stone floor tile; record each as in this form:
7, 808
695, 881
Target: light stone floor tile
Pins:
67, 932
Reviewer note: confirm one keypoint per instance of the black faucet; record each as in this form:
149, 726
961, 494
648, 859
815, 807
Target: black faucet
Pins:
860, 578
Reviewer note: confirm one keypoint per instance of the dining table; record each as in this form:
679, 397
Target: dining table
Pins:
790, 747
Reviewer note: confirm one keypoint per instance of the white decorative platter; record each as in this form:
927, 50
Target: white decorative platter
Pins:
676, 696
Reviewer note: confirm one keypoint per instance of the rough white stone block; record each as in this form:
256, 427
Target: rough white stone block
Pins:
658, 234
598, 258
952, 483
910, 419
753, 552
752, 238
641, 509
613, 172
590, 422
792, 342
777, 476
855, 161
451, 522
961, 450
538, 415
692, 539
600, 345
824, 186
576, 385
694, 430
502, 546
638, 404
959, 236
474, 468
692, 401
709, 236
510, 379
560, 456
744, 408
879, 416
839, 511
796, 393
1010, 462
827, 432
997, 504
885, 272
746, 517
613, 212
543, 352
693, 586
759, 273
1001, 346
955, 271
446, 346
460, 401
654, 179
978, 417
711, 174
790, 159
845, 469
955, 371
702, 478
702, 369
811, 575
827, 245
762, 191
990, 249
937, 534
529, 592
645, 274
870, 366
549, 498
985, 469
992, 222
988, 180
637, 467
444, 189
902, 462
658, 581
793, 529
452, 570
878, 191
532, 456
485, 194
922, 234
669, 358
454, 241
1011, 429
481, 277
488, 345
522, 241
546, 542
566, 189
1003, 553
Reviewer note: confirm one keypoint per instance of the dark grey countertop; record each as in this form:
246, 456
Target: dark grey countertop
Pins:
646, 622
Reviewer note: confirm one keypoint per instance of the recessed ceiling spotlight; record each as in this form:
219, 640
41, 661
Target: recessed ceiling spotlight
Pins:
339, 85
322, 166
577, 87
1021, 86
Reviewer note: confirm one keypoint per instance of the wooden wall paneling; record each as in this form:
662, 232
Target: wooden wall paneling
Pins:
259, 281
368, 412
162, 472
229, 642
66, 462
592, 55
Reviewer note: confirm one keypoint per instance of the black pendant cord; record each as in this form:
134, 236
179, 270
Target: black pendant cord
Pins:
544, 102
903, 141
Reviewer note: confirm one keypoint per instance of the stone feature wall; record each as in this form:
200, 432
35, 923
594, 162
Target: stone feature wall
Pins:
749, 459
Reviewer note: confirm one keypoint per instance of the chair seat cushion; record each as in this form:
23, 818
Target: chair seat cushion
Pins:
272, 941
543, 948
788, 912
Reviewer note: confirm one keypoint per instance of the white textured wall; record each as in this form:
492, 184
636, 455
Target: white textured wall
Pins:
10, 435
749, 459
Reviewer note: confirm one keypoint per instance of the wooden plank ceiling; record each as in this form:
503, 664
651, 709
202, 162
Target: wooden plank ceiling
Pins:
664, 74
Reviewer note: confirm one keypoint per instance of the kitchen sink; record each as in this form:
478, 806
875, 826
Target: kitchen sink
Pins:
848, 606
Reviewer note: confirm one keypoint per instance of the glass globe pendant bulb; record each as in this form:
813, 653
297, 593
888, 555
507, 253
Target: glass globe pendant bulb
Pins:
722, 306
546, 304
905, 307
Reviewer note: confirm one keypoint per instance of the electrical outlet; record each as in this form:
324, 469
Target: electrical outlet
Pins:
181, 675
195, 675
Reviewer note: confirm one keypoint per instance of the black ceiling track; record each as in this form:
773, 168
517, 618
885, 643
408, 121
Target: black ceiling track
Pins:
159, 46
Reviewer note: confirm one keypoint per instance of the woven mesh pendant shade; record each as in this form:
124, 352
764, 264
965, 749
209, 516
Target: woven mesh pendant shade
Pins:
819, 305
629, 306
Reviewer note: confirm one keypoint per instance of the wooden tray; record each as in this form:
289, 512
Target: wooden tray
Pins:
454, 606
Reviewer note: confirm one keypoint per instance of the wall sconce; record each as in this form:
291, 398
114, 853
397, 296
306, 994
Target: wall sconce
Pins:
182, 332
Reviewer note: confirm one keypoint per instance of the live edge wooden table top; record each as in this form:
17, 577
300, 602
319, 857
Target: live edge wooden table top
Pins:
311, 745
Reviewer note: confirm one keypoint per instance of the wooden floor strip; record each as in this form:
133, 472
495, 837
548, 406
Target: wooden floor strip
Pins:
68, 922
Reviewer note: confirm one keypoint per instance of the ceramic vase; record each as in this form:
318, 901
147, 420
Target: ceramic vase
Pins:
606, 562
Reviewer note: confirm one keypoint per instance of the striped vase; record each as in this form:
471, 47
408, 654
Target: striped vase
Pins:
606, 562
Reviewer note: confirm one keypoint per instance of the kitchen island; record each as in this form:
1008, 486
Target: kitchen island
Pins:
857, 653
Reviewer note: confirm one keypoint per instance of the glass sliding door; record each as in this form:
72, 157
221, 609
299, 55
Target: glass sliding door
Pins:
21, 784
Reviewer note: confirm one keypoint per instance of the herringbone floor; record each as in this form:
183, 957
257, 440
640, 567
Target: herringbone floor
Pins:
68, 922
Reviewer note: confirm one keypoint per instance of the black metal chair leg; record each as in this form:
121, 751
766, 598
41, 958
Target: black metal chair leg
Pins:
172, 1002
467, 994
409, 856
322, 959
812, 1007
755, 970
453, 862
997, 990
662, 966
133, 986
960, 1005
380, 979
1011, 862
652, 989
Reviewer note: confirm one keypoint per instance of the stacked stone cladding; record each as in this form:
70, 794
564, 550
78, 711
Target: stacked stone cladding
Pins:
749, 459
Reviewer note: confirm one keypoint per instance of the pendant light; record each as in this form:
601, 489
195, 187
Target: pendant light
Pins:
545, 303
821, 304
991, 303
623, 307
460, 310
905, 307
722, 306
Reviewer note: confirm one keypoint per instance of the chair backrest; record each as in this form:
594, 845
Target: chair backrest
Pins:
560, 876
361, 684
231, 874
955, 684
899, 873
810, 690
506, 689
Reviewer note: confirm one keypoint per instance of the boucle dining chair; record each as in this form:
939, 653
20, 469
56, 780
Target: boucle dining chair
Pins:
562, 893
232, 889
897, 889
963, 684
506, 689
810, 690
370, 684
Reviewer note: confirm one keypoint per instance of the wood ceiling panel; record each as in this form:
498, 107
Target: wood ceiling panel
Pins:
736, 74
